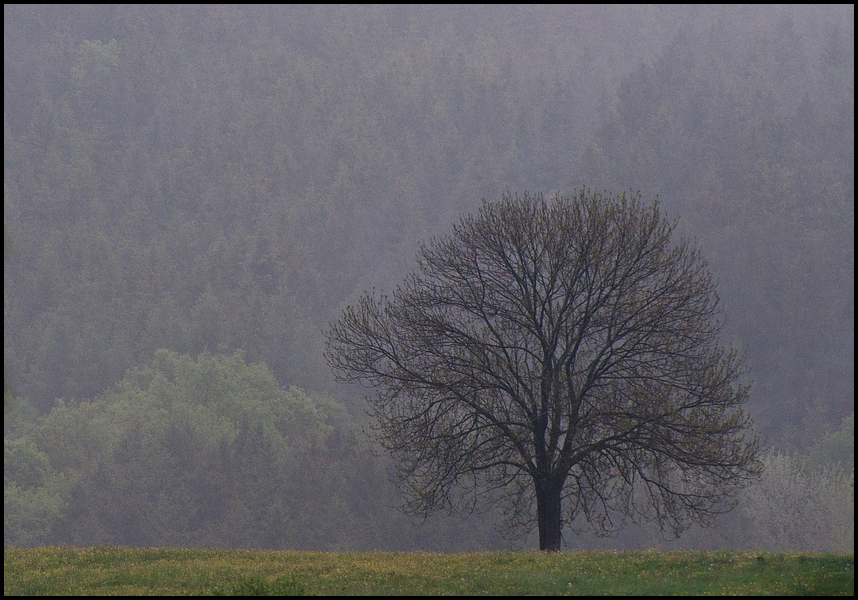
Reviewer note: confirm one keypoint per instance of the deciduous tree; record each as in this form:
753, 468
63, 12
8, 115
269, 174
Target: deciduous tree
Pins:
556, 352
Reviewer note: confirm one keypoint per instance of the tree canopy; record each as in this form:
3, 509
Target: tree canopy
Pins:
188, 451
555, 350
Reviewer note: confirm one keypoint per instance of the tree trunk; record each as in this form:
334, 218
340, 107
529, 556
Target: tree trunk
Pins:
548, 514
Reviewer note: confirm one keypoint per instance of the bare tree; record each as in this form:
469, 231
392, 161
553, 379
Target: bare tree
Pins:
560, 351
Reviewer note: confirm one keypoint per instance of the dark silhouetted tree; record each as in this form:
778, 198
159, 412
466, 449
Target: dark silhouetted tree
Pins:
557, 351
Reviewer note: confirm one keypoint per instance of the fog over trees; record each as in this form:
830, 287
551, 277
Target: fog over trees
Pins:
193, 193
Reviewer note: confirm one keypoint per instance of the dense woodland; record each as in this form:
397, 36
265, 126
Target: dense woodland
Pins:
192, 193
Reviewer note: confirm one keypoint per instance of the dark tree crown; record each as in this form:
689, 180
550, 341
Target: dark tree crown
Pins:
557, 350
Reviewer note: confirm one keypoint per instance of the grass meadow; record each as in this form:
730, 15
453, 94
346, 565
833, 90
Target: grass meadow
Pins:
175, 571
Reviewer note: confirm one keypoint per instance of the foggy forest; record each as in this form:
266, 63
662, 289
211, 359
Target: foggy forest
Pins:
193, 193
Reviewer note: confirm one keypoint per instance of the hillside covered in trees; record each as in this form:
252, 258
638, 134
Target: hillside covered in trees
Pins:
206, 187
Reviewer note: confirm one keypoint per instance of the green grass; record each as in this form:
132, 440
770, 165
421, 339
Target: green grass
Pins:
142, 571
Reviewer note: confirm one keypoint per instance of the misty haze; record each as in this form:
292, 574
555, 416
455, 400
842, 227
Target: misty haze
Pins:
192, 194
